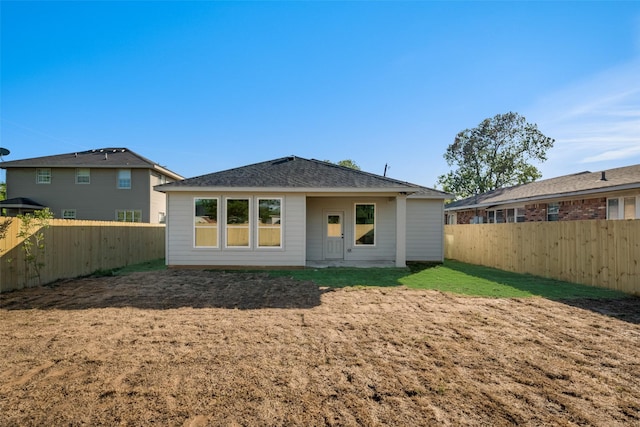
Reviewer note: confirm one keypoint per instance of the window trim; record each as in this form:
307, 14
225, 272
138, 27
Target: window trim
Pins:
129, 211
621, 207
257, 216
39, 176
64, 211
556, 205
88, 175
248, 225
217, 226
375, 226
118, 179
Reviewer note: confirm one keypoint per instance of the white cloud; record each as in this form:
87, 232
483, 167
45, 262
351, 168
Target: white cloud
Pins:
595, 122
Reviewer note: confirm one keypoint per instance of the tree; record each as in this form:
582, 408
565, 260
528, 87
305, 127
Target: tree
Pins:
348, 163
3, 190
493, 155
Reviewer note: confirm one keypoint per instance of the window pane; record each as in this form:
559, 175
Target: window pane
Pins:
334, 227
499, 216
629, 208
269, 222
83, 176
552, 211
365, 225
206, 211
612, 209
238, 222
124, 178
206, 222
43, 176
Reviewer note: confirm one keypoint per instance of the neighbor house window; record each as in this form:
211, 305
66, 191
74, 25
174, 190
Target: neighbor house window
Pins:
630, 208
68, 214
270, 223
613, 210
515, 215
43, 176
237, 230
623, 208
83, 176
365, 230
162, 218
124, 178
205, 223
553, 209
491, 217
129, 216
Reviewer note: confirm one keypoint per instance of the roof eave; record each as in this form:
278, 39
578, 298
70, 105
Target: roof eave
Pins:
171, 188
548, 196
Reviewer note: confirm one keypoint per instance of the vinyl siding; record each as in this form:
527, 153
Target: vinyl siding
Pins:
385, 247
97, 200
425, 228
180, 229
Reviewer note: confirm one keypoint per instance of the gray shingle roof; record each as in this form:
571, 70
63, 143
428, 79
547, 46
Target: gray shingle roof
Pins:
296, 172
582, 183
113, 157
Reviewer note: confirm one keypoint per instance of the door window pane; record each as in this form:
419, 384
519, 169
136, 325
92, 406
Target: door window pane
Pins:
334, 227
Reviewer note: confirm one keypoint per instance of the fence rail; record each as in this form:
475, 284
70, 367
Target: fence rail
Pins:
602, 253
76, 248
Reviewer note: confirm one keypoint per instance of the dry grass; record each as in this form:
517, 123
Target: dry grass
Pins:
198, 348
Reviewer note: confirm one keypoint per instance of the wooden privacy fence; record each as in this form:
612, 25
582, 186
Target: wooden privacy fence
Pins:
604, 253
77, 248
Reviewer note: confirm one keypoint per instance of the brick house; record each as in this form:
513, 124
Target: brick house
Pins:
609, 194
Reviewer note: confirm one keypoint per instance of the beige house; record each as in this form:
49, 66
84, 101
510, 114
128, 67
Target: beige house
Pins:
108, 184
608, 194
298, 212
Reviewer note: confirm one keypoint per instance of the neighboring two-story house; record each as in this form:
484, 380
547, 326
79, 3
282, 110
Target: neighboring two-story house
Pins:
108, 184
608, 194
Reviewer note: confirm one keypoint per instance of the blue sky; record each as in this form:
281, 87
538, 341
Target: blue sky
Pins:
205, 86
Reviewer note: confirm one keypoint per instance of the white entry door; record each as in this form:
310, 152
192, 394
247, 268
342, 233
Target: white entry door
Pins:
334, 236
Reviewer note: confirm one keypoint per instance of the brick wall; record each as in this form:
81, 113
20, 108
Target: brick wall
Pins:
569, 210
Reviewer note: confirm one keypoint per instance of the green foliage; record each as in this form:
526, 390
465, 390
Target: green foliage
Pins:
347, 163
4, 227
3, 190
493, 155
32, 228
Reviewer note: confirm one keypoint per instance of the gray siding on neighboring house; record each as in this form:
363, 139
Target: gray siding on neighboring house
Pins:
385, 247
425, 230
180, 233
97, 200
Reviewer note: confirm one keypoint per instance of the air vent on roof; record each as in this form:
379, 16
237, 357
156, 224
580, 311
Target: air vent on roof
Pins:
603, 176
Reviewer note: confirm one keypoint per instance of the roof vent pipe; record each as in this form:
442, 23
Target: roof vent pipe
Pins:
603, 176
106, 156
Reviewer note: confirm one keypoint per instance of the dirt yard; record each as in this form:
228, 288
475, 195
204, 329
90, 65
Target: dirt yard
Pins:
195, 348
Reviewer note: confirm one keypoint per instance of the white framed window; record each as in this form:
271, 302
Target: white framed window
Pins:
623, 207
238, 218
43, 176
205, 223
126, 215
68, 214
269, 223
365, 224
83, 176
452, 219
162, 218
124, 179
553, 210
491, 217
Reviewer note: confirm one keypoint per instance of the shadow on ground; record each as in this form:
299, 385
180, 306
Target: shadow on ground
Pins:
169, 289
